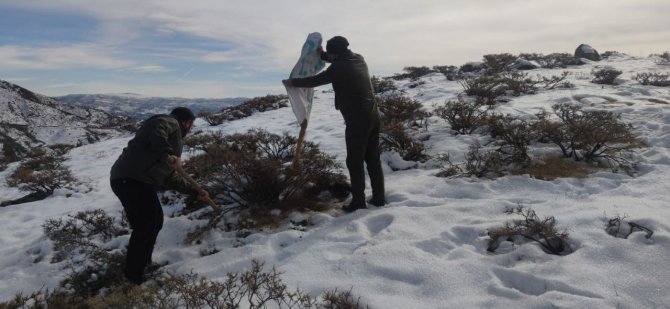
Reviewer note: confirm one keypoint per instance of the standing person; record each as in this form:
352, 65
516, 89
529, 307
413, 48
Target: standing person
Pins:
148, 164
355, 99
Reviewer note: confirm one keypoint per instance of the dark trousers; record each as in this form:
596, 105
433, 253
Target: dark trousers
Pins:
362, 138
145, 215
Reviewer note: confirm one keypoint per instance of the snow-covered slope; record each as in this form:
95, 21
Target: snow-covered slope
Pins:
427, 248
140, 107
28, 119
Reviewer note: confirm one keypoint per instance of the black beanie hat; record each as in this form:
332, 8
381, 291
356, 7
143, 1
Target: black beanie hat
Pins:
182, 114
337, 45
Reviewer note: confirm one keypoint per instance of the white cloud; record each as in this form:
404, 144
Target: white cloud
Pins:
59, 57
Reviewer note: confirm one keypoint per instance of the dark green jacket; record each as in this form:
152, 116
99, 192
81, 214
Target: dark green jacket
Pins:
351, 81
142, 159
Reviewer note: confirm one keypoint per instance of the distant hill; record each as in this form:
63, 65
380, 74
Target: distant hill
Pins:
28, 120
141, 107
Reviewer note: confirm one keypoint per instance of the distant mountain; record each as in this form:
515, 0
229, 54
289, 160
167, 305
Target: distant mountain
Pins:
141, 107
28, 120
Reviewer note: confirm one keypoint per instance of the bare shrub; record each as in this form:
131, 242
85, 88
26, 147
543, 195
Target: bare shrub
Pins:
447, 168
60, 149
214, 119
614, 228
79, 241
653, 79
464, 116
589, 135
413, 73
403, 110
382, 85
609, 53
556, 81
41, 172
551, 61
518, 83
514, 136
482, 164
251, 174
486, 87
605, 76
449, 71
540, 230
255, 288
395, 138
471, 67
663, 59
497, 63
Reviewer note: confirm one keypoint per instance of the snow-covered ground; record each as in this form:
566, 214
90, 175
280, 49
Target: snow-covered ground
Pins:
427, 248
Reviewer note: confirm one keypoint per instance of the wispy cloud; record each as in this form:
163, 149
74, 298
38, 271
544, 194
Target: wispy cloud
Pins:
59, 57
216, 37
148, 69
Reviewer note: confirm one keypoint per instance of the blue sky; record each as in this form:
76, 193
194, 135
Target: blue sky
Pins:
231, 48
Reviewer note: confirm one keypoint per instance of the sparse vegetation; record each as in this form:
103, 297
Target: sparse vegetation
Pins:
556, 81
79, 241
246, 109
540, 230
653, 79
255, 288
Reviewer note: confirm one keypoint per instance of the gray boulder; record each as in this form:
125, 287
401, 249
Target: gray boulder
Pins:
523, 64
588, 52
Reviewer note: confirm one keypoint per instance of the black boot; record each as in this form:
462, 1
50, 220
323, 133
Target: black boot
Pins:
353, 206
379, 202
